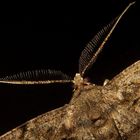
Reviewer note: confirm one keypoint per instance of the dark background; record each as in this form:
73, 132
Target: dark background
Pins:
52, 36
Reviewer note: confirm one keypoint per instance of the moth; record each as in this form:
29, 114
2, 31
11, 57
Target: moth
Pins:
111, 111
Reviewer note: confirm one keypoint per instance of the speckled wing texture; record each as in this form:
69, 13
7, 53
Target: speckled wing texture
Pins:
129, 76
95, 46
110, 112
39, 128
37, 77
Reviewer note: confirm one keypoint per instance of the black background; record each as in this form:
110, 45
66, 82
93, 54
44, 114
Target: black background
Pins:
52, 36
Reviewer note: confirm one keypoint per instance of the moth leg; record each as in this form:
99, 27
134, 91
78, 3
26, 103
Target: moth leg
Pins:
105, 82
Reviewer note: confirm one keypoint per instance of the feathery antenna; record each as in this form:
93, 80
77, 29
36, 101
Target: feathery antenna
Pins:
95, 46
37, 77
87, 58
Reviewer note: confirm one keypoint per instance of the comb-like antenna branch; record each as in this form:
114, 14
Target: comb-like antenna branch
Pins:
95, 46
37, 77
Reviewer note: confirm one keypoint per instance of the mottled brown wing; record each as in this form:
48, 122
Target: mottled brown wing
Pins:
100, 112
128, 76
39, 128
95, 46
37, 77
126, 114
110, 112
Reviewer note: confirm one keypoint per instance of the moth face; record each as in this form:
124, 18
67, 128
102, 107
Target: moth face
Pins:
80, 81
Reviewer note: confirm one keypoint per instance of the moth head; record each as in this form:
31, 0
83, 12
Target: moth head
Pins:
79, 80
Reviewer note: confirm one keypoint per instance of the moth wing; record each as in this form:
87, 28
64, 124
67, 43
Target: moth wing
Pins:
41, 127
130, 75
